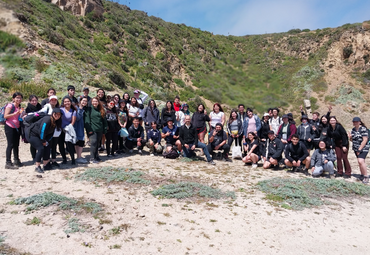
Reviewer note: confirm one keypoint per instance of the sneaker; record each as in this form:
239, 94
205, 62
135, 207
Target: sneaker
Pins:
365, 180
39, 170
361, 178
226, 159
152, 154
338, 175
131, 151
10, 165
346, 176
113, 155
94, 161
81, 161
211, 162
294, 169
140, 152
73, 162
109, 156
55, 164
254, 166
18, 163
99, 159
47, 167
64, 162
101, 149
276, 167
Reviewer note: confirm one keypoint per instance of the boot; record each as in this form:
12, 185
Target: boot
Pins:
18, 163
9, 165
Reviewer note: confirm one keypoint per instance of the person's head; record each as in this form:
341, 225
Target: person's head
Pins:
152, 104
250, 112
304, 119
322, 145
116, 98
86, 91
233, 115
357, 122
111, 104
108, 98
185, 108
285, 119
266, 117
295, 139
126, 96
275, 111
200, 108
333, 120
217, 108
323, 120
55, 118
134, 102
271, 135
51, 92
315, 116
33, 100
71, 90
241, 108
269, 111
67, 103
137, 93
136, 122
153, 124
95, 102
170, 123
187, 120
218, 127
101, 94
169, 106
17, 97
57, 114
123, 105
252, 136
83, 101
53, 101
177, 100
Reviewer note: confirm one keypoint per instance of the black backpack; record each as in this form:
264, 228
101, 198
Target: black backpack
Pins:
27, 123
171, 154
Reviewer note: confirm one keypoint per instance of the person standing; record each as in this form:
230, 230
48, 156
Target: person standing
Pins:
51, 92
241, 112
235, 129
168, 112
122, 121
69, 114
199, 120
306, 133
340, 138
286, 130
85, 92
177, 104
12, 131
140, 100
275, 121
360, 137
71, 94
265, 127
251, 123
150, 114
216, 116
32, 107
79, 129
113, 127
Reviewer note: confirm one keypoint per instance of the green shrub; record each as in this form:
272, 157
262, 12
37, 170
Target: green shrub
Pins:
191, 189
40, 66
74, 226
8, 40
366, 74
7, 83
347, 51
31, 88
118, 79
160, 56
180, 82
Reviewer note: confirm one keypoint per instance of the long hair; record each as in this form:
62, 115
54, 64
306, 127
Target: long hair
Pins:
124, 109
55, 123
72, 106
231, 116
333, 117
136, 104
198, 108
219, 106
104, 98
117, 95
172, 108
151, 109
32, 97
123, 97
255, 137
114, 109
100, 107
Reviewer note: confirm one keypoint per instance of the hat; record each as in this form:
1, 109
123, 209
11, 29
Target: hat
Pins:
136, 91
85, 88
270, 132
53, 97
304, 117
285, 116
355, 119
56, 110
266, 114
169, 119
121, 101
70, 87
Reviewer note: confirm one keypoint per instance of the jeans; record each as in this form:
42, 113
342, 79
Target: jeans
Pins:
131, 144
12, 137
95, 138
189, 153
111, 137
70, 147
53, 147
326, 167
341, 155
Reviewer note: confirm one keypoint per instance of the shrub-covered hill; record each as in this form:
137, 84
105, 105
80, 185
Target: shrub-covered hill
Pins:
125, 49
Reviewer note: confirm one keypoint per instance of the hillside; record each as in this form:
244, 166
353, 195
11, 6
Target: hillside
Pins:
105, 44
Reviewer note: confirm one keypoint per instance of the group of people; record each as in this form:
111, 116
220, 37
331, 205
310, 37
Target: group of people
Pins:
118, 125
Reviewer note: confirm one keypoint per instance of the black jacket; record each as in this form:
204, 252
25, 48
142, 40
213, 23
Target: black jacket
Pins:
167, 115
265, 127
148, 116
134, 134
339, 135
273, 149
31, 108
42, 129
199, 120
296, 152
188, 135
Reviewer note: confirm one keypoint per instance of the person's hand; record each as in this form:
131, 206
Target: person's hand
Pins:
151, 143
326, 161
357, 153
139, 139
298, 163
309, 139
294, 162
186, 146
138, 143
314, 127
90, 133
264, 158
214, 132
344, 149
137, 114
301, 107
313, 169
44, 144
349, 135
205, 111
175, 136
255, 132
217, 147
193, 147
168, 133
156, 145
237, 136
284, 141
330, 108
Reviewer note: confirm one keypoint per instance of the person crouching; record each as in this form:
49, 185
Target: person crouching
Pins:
296, 154
218, 141
323, 160
273, 151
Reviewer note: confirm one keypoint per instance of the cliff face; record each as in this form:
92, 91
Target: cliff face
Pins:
80, 7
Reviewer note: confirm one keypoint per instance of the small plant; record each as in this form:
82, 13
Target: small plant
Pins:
116, 246
190, 189
34, 221
40, 66
74, 226
116, 230
2, 239
31, 88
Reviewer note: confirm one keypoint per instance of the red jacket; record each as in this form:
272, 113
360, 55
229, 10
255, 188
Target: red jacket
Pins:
292, 129
177, 107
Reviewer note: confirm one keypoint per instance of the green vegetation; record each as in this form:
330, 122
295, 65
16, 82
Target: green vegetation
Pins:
7, 40
34, 221
74, 226
111, 174
191, 189
2, 239
298, 194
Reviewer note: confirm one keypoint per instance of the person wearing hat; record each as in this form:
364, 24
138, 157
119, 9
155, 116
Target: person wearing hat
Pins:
40, 134
218, 141
306, 133
273, 151
171, 135
71, 94
139, 99
265, 127
360, 137
296, 154
286, 130
135, 136
185, 109
275, 121
85, 92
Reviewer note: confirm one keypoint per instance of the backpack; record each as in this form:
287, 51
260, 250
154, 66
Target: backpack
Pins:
32, 118
368, 136
2, 113
172, 154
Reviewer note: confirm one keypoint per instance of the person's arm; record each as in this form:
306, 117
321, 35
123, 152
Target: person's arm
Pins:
80, 114
302, 112
157, 118
293, 130
252, 149
331, 156
159, 137
364, 139
105, 125
279, 133
196, 137
44, 127
258, 123
131, 133
223, 119
181, 135
164, 133
132, 115
141, 132
7, 113
212, 137
245, 128
145, 95
144, 115
344, 135
87, 121
206, 118
240, 127
279, 150
287, 153
73, 118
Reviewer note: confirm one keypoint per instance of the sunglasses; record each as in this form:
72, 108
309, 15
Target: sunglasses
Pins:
111, 103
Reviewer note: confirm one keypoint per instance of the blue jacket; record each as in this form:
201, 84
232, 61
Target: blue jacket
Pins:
79, 125
245, 124
155, 135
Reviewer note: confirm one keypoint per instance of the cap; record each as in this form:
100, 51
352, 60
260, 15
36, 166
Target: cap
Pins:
285, 116
355, 119
53, 97
270, 132
121, 101
266, 114
136, 91
70, 87
169, 119
304, 117
56, 110
85, 88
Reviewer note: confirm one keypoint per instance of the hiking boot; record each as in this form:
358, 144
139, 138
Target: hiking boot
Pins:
365, 180
346, 176
338, 175
18, 163
9, 165
39, 170
47, 167
211, 162
64, 162
55, 164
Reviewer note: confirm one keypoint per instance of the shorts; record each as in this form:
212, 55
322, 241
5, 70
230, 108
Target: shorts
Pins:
201, 130
80, 143
362, 154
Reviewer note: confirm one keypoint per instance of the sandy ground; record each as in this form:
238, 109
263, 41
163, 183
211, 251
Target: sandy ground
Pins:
247, 225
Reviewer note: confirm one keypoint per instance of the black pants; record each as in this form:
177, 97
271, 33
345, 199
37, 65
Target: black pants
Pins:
95, 139
70, 147
41, 151
238, 141
53, 147
225, 148
12, 138
111, 137
33, 151
131, 144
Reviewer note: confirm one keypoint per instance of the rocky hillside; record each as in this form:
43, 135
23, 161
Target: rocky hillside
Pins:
104, 44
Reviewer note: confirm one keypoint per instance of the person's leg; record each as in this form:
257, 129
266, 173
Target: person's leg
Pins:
115, 142
108, 139
247, 159
53, 148
143, 143
205, 150
338, 152
317, 171
150, 145
186, 152
61, 146
210, 149
46, 157
288, 163
16, 139
71, 151
120, 141
347, 166
226, 150
33, 152
37, 144
329, 167
178, 145
9, 138
266, 164
129, 144
99, 136
201, 136
79, 150
254, 158
103, 140
230, 140
159, 149
93, 145
362, 165
307, 162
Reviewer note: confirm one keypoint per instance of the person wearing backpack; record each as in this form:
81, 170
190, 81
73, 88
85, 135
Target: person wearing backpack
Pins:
40, 134
296, 155
12, 131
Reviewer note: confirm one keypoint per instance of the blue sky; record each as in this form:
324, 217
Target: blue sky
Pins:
245, 17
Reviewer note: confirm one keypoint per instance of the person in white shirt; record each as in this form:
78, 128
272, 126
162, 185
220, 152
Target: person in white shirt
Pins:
216, 116
275, 121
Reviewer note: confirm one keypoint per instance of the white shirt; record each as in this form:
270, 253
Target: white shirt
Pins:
216, 118
181, 116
